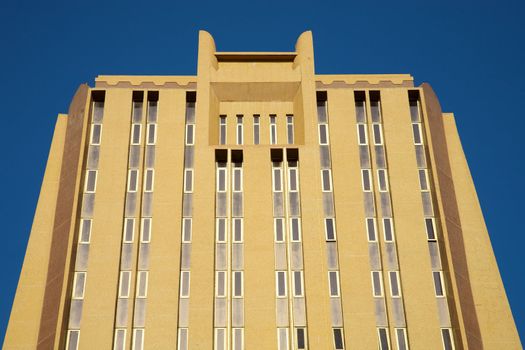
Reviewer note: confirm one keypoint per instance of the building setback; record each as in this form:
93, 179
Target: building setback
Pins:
258, 205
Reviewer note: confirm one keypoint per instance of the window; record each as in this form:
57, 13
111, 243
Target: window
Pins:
277, 180
239, 130
142, 284
295, 229
438, 283
238, 338
292, 180
329, 229
148, 180
184, 284
137, 110
273, 130
300, 338
377, 285
237, 178
289, 129
133, 175
282, 339
382, 180
220, 286
360, 111
138, 339
384, 341
416, 129
430, 226
152, 110
91, 181
401, 339
145, 230
222, 129
298, 283
278, 225
280, 280
375, 108
371, 229
395, 290
125, 280
120, 339
323, 134
220, 339
388, 229
339, 343
326, 178
361, 134
448, 340
238, 284
96, 134
423, 180
135, 134
129, 230
190, 134
367, 181
85, 231
378, 135
98, 110
79, 283
237, 230
186, 230
256, 129
73, 336
182, 343
333, 281
152, 134
188, 180
414, 110
221, 179
221, 229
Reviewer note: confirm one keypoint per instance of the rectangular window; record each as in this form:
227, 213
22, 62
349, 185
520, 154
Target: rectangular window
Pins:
367, 181
277, 180
79, 283
220, 287
361, 134
360, 111
237, 178
220, 339
145, 230
401, 339
133, 182
238, 338
221, 179
430, 226
282, 339
384, 341
85, 231
90, 185
395, 289
96, 134
190, 134
438, 283
339, 343
298, 284
329, 229
295, 229
371, 229
388, 229
378, 135
184, 284
382, 180
124, 283
416, 129
182, 342
239, 130
256, 129
221, 230
289, 129
152, 110
222, 129
186, 230
326, 178
300, 338
278, 225
129, 230
238, 285
135, 134
423, 180
137, 111
377, 285
333, 281
293, 180
448, 340
273, 130
120, 339
188, 180
280, 280
142, 284
323, 134
237, 230
414, 110
375, 108
149, 177
98, 111
73, 336
138, 339
152, 134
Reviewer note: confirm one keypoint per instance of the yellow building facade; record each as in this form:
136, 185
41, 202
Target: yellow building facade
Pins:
258, 205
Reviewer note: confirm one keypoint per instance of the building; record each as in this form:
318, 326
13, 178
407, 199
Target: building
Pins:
258, 205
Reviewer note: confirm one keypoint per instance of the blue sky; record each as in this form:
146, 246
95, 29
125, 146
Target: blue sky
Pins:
471, 52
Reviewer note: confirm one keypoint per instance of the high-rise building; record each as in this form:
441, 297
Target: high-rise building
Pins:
258, 205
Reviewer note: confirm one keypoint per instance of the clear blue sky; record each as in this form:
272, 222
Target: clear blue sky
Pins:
471, 52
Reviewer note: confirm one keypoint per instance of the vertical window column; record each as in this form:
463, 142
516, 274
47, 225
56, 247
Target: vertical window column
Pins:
273, 129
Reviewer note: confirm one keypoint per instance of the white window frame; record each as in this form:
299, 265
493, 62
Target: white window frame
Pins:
182, 274
280, 332
404, 332
387, 338
82, 291
391, 221
179, 336
142, 275
120, 285
433, 220
329, 172
296, 171
184, 224
273, 129
241, 220
86, 180
225, 230
239, 130
283, 229
442, 281
225, 284
149, 127
124, 238
235, 333
186, 171
280, 177
68, 338
133, 190
149, 172
338, 284
326, 229
381, 289
369, 175
234, 170
342, 337
134, 345
215, 338
117, 332
420, 131
290, 123
91, 140
377, 127
234, 281
256, 122
133, 126
425, 172
385, 173
301, 283
368, 226
395, 275
297, 338
188, 127
219, 170
299, 233
359, 141
285, 279
148, 240
81, 228
449, 331
223, 130
327, 134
